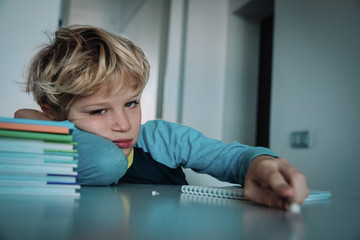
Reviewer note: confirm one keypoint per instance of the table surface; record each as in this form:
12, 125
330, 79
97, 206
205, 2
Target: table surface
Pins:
131, 211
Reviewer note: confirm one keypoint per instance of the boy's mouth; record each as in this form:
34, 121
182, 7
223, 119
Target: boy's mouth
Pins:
123, 143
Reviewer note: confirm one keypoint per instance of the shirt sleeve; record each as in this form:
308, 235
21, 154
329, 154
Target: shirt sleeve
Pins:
176, 145
101, 162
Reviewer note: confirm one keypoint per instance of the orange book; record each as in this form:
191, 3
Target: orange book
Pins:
34, 128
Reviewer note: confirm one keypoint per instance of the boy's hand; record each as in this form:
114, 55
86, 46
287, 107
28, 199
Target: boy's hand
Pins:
30, 114
274, 182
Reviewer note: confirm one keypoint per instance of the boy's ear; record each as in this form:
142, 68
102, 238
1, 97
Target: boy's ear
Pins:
48, 112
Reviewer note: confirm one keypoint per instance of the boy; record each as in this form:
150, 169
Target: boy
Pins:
95, 79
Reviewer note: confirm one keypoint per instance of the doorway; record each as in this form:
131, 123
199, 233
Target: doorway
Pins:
264, 81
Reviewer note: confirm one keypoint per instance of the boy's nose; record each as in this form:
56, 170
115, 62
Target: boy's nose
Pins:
120, 122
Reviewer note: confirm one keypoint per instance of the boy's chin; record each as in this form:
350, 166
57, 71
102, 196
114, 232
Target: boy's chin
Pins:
126, 152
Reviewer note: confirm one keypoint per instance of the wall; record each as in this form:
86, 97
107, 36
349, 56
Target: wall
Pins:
147, 27
316, 87
211, 73
22, 26
204, 69
106, 13
241, 79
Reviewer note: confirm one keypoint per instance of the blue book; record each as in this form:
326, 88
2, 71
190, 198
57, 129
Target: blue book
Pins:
49, 156
33, 145
67, 124
48, 168
36, 178
40, 189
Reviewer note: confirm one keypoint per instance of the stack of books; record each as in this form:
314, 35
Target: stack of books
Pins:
37, 157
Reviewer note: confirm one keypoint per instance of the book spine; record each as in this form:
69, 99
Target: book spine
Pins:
34, 128
35, 135
67, 124
46, 190
37, 156
32, 168
35, 161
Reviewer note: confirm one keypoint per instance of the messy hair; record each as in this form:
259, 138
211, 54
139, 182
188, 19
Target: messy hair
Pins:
78, 61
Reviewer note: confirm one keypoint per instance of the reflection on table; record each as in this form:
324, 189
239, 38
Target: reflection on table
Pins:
131, 211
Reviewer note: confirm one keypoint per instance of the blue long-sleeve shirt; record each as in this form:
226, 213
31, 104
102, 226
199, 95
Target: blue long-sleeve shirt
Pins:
161, 151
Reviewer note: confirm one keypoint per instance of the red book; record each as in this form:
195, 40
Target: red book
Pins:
34, 128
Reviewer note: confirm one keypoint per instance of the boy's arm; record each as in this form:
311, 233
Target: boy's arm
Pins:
267, 179
101, 162
176, 145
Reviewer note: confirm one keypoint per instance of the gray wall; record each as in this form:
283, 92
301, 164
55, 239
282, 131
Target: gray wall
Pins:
316, 84
147, 27
211, 79
22, 31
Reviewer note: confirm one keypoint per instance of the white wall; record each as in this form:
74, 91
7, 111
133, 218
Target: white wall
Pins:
214, 70
316, 87
147, 27
204, 69
22, 25
107, 14
242, 58
211, 72
174, 69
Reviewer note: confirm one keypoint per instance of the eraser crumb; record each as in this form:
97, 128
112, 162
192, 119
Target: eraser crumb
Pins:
154, 193
295, 208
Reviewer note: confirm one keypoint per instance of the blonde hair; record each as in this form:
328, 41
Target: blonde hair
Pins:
78, 61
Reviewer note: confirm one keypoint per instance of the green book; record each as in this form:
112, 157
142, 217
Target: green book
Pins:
36, 135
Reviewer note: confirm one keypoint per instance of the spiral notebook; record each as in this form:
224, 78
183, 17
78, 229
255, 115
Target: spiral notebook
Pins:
220, 192
236, 192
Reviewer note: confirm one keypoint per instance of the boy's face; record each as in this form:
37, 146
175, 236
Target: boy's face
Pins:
117, 117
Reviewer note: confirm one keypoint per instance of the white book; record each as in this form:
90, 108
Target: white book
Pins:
15, 156
38, 184
45, 190
32, 145
39, 168
35, 178
35, 161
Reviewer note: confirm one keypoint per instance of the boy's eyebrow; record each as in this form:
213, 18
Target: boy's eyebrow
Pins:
100, 103
93, 104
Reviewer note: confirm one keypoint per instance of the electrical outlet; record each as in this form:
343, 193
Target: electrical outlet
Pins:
300, 139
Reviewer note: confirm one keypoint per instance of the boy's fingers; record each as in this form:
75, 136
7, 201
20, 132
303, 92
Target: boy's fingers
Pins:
278, 183
296, 180
264, 196
275, 183
269, 175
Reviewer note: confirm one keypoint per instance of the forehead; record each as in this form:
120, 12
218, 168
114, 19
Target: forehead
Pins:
102, 95
118, 83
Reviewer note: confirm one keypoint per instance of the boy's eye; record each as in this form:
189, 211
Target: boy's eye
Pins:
131, 104
98, 112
